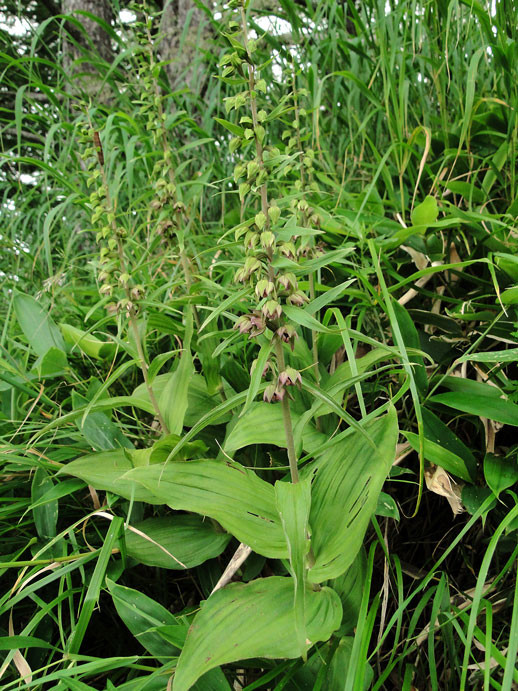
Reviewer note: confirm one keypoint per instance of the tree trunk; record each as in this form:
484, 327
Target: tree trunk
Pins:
96, 42
182, 50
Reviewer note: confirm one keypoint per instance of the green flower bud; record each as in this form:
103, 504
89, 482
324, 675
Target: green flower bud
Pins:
272, 310
267, 239
244, 189
252, 169
274, 213
264, 288
260, 132
260, 220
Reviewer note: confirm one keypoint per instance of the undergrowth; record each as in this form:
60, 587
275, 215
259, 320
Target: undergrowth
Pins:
258, 371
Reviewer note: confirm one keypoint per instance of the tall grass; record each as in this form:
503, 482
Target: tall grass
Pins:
410, 118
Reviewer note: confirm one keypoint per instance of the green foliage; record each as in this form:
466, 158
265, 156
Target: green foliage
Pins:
261, 315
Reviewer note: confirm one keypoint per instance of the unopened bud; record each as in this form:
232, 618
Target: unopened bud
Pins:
274, 213
264, 288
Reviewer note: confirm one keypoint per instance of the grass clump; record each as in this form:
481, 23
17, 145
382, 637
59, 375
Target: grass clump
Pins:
258, 368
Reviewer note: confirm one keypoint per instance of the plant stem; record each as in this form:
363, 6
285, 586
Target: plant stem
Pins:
286, 415
131, 313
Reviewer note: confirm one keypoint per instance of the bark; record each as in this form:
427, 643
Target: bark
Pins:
95, 42
183, 52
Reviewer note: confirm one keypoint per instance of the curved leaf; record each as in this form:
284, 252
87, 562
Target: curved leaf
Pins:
347, 483
189, 539
253, 620
234, 496
107, 471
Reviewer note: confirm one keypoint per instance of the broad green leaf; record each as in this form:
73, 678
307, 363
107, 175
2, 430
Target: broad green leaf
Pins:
425, 213
500, 473
99, 431
293, 503
263, 424
484, 406
52, 364
199, 401
437, 432
252, 620
141, 613
45, 515
174, 398
231, 494
387, 506
439, 455
39, 328
348, 479
107, 471
189, 539
85, 342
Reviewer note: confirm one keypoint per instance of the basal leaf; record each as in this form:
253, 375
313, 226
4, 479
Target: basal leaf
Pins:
293, 503
263, 424
253, 620
231, 494
39, 328
348, 479
107, 471
189, 539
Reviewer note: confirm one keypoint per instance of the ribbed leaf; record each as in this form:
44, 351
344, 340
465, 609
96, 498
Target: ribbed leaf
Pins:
189, 539
348, 480
253, 620
234, 496
107, 471
293, 503
39, 328
86, 343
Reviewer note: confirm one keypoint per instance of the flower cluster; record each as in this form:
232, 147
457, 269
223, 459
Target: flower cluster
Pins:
113, 274
267, 235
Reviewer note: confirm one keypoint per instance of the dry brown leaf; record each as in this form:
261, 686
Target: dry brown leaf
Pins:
438, 481
19, 661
